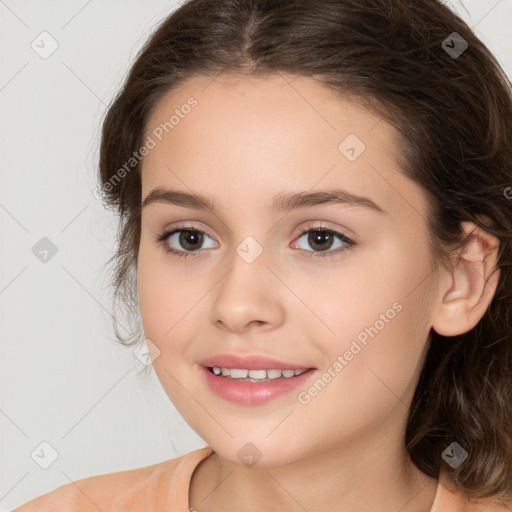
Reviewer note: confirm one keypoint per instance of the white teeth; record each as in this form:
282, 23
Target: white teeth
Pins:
237, 373
255, 374
240, 373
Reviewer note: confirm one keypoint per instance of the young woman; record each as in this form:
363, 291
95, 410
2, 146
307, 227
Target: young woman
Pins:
315, 202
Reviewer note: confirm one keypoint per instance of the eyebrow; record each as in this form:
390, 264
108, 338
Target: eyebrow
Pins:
283, 202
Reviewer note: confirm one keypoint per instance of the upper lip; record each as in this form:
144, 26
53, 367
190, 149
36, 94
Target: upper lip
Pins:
249, 363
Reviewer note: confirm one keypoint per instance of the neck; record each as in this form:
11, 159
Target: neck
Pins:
372, 472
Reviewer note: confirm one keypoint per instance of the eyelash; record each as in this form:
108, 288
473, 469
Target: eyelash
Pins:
326, 255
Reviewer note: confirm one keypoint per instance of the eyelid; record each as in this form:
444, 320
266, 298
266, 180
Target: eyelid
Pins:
340, 234
188, 225
348, 242
319, 225
315, 225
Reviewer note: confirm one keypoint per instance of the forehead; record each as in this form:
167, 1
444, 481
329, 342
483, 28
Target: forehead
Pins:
278, 130
275, 97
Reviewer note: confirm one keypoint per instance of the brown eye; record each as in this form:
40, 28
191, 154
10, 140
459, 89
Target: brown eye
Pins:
190, 240
321, 240
183, 241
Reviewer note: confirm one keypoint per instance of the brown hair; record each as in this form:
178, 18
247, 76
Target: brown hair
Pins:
454, 114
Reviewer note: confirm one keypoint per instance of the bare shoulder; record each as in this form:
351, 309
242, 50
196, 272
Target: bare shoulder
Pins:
449, 497
109, 491
489, 505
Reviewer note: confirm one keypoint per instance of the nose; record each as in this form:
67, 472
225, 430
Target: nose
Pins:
248, 297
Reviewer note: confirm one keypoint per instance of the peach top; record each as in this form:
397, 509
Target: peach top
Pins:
164, 487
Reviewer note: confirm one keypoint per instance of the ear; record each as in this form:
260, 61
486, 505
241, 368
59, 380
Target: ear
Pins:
467, 290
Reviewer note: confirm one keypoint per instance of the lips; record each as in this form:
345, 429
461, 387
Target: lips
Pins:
255, 392
250, 362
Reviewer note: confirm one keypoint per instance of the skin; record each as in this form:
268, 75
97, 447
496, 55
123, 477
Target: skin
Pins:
247, 140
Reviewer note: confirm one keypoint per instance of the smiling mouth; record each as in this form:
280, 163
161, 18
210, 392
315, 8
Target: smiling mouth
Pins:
263, 375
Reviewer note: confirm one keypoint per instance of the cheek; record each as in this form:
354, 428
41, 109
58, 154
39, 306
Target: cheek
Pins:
351, 297
166, 299
363, 381
378, 325
165, 294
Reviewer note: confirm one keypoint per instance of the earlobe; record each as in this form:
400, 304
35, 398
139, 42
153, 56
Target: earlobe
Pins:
470, 286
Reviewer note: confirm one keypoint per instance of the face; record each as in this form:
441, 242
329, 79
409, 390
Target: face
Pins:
341, 287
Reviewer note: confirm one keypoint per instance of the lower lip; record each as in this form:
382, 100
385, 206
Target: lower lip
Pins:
253, 393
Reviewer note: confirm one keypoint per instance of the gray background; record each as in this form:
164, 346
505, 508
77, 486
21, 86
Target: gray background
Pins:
63, 381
